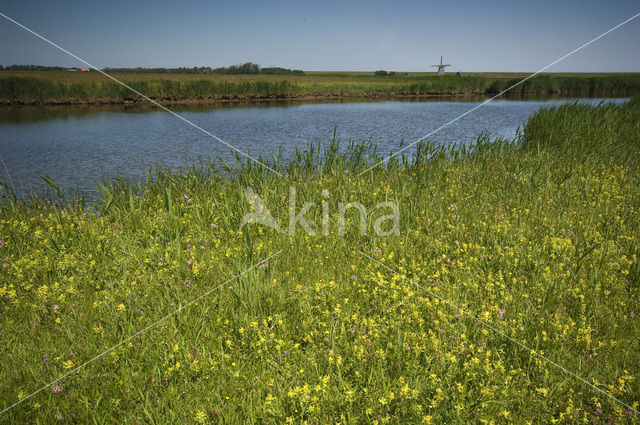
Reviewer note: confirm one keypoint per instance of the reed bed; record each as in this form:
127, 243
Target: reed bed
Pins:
30, 87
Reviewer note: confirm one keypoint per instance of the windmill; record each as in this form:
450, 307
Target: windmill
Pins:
440, 67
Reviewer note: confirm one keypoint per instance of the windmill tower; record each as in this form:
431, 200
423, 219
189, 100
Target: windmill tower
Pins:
440, 67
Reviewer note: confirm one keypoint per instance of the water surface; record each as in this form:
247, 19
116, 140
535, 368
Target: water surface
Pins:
78, 146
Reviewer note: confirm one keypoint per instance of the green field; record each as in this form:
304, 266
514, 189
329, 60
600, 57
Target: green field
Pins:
536, 237
83, 87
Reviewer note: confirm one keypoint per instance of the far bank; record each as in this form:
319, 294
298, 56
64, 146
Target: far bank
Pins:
42, 87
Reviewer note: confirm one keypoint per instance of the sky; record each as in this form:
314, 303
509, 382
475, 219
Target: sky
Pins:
399, 35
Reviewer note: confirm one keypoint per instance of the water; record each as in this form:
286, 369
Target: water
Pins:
78, 146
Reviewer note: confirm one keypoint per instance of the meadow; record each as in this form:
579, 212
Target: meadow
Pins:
91, 87
537, 237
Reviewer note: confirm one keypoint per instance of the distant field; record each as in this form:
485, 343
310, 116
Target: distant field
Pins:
92, 87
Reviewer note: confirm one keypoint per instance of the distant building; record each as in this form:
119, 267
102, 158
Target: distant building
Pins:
385, 73
459, 74
440, 67
85, 69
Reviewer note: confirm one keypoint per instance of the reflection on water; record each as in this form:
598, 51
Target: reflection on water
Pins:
79, 145
32, 113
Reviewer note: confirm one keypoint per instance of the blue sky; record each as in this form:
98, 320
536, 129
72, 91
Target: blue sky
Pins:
326, 35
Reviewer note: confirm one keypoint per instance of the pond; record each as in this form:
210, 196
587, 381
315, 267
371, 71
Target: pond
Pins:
78, 146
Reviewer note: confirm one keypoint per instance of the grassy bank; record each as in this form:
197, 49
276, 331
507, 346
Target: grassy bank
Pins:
537, 237
70, 87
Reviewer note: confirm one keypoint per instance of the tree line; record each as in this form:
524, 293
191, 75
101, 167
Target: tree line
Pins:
245, 68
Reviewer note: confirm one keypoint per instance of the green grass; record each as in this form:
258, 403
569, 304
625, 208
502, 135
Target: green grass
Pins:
543, 229
34, 86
